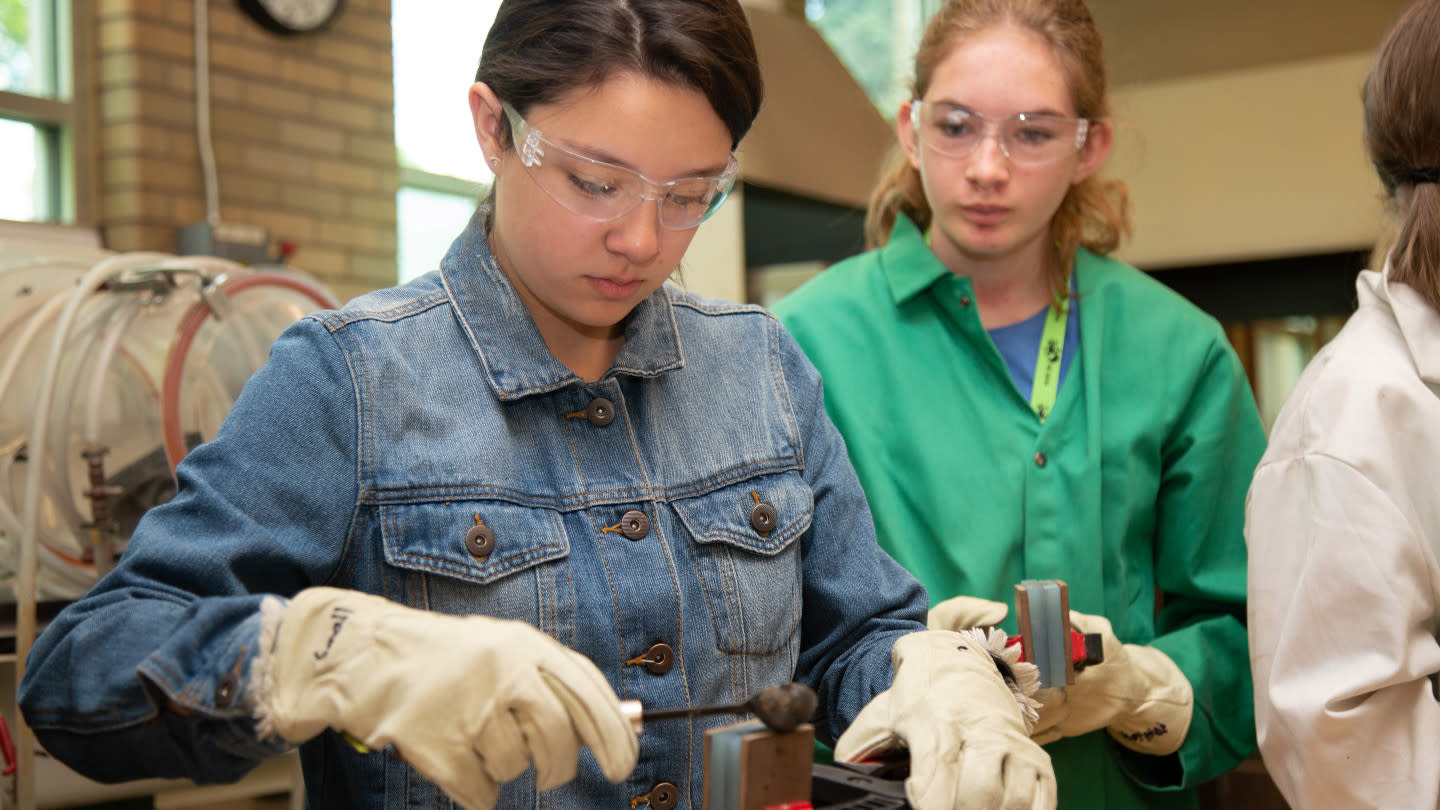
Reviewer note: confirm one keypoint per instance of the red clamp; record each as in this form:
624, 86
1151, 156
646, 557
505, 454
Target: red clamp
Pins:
1085, 648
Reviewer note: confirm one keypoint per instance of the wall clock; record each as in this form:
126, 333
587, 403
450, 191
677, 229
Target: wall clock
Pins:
293, 16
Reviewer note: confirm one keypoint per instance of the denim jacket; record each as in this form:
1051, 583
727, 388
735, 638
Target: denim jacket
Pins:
377, 436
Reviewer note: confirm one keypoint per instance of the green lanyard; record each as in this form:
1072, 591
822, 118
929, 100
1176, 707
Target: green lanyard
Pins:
1047, 363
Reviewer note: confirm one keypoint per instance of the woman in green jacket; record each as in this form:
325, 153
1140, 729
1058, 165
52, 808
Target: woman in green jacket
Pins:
1019, 406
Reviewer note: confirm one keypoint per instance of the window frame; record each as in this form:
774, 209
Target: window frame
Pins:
411, 177
414, 179
434, 179
66, 121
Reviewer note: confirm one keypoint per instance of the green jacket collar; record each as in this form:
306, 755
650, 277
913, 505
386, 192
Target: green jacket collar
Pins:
909, 265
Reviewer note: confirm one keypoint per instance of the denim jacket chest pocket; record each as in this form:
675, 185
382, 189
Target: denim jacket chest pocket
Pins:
746, 554
478, 556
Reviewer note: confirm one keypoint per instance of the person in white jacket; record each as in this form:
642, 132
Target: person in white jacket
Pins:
1343, 516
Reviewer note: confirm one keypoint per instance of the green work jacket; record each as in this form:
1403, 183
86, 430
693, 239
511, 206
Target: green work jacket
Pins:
1132, 490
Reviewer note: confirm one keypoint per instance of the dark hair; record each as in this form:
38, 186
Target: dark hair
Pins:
1402, 134
1095, 213
539, 50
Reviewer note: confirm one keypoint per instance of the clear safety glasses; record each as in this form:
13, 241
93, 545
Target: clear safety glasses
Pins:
603, 191
1028, 139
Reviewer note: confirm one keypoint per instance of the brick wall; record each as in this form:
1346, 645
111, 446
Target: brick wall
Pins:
302, 127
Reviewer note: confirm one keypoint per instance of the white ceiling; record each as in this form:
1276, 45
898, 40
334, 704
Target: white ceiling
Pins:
1153, 40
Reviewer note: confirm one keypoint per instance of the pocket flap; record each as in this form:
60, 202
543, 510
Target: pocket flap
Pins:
737, 515
431, 537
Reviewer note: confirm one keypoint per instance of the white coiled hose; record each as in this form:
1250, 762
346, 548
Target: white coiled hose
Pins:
94, 324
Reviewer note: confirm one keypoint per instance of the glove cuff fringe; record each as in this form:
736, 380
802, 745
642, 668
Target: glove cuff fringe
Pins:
1022, 677
262, 672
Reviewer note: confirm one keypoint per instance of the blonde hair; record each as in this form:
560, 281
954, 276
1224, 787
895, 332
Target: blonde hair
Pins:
1402, 134
1095, 212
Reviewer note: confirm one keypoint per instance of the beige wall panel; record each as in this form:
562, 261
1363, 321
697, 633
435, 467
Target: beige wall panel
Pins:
818, 134
1250, 164
714, 265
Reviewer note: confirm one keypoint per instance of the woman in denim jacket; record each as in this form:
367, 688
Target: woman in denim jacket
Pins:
445, 529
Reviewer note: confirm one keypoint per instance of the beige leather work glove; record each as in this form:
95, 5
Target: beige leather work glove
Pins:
469, 702
963, 612
1137, 694
966, 730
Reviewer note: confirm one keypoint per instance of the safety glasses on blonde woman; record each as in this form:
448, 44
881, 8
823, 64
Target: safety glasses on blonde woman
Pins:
603, 191
1027, 139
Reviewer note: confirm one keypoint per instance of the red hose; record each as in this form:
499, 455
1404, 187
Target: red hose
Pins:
175, 448
7, 748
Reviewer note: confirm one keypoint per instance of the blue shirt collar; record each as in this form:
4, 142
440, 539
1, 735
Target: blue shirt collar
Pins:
516, 359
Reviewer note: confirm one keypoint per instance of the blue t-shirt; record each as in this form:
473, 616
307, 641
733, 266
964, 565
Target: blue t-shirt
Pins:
1019, 345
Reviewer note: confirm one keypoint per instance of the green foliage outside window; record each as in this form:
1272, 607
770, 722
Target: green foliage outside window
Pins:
875, 40
14, 55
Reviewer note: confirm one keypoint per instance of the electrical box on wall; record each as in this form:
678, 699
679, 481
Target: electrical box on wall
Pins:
246, 244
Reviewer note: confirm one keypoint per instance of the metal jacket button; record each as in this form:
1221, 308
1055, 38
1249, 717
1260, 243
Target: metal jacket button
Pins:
226, 690
762, 518
600, 412
964, 300
659, 659
634, 524
664, 796
1039, 459
480, 541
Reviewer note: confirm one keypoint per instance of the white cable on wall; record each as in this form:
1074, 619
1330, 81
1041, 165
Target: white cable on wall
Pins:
202, 113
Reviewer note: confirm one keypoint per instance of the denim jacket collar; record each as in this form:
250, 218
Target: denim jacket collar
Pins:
516, 359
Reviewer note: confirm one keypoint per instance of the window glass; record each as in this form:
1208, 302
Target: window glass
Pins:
435, 61
28, 47
441, 164
23, 184
428, 221
876, 41
36, 142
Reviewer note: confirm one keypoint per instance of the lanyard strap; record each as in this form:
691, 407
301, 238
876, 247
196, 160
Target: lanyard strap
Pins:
1047, 363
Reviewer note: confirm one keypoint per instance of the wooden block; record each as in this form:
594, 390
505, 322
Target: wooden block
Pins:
1022, 620
1065, 631
750, 767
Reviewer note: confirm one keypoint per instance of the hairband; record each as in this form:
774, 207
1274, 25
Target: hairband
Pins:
1424, 174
